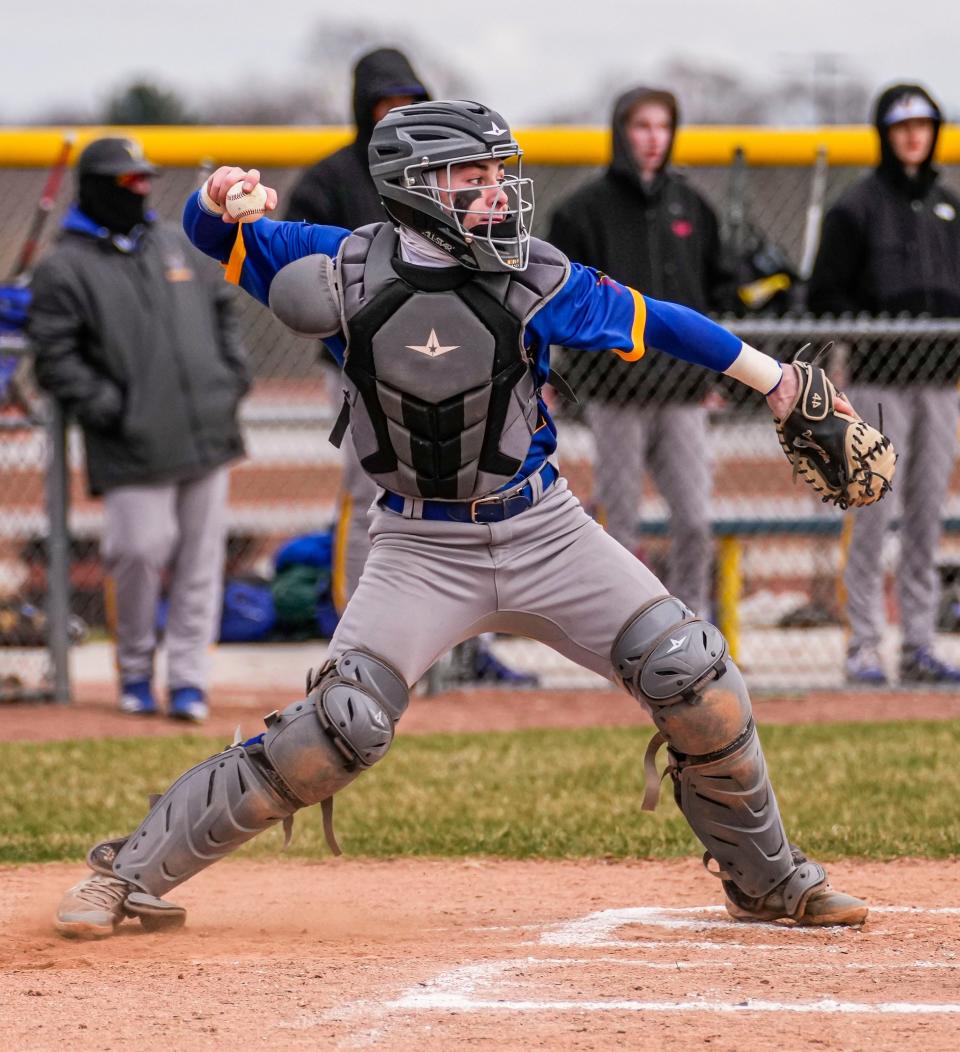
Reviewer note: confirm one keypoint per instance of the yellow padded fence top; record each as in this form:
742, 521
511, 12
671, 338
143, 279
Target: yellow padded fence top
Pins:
287, 147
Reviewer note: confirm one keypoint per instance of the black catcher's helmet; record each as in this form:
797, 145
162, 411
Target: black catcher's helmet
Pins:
408, 148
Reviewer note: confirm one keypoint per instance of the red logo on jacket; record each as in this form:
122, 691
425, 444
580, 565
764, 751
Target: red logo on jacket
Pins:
682, 227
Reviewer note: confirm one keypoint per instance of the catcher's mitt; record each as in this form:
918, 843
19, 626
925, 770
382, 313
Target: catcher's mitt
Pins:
846, 460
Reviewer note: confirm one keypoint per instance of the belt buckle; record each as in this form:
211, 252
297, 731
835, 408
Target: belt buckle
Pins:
502, 502
475, 503
494, 499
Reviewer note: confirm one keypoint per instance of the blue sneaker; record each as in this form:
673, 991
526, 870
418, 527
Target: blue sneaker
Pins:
864, 667
136, 699
188, 703
490, 669
921, 665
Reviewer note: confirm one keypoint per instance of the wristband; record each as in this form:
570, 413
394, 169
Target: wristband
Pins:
755, 369
208, 204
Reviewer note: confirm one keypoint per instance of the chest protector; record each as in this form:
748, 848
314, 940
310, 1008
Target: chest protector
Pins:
440, 389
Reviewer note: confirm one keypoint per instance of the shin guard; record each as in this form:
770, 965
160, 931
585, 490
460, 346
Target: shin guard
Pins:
678, 666
310, 750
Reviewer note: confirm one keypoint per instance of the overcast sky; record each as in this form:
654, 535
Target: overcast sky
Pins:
523, 58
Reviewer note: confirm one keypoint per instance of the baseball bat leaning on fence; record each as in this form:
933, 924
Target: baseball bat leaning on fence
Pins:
48, 197
16, 394
814, 215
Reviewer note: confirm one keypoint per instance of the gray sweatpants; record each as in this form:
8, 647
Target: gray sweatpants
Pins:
180, 527
551, 573
351, 533
922, 423
671, 440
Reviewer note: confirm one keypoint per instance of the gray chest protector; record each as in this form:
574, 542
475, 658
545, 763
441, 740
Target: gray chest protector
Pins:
440, 390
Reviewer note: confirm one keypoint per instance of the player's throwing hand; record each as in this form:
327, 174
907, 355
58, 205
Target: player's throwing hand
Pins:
214, 191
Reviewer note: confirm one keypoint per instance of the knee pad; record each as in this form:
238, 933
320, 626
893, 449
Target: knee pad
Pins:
344, 725
310, 751
678, 665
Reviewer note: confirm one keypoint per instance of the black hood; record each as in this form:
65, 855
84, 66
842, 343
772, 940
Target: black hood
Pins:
622, 165
891, 168
378, 75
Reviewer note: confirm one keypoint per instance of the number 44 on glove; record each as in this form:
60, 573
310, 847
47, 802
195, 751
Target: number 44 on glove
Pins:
846, 460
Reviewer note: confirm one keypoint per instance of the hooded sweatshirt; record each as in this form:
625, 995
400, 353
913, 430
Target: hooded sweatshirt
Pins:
338, 191
661, 238
891, 245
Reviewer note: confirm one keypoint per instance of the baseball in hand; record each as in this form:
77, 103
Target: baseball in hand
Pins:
246, 207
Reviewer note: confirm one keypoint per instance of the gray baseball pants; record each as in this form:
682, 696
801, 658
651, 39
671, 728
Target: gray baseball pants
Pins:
175, 527
551, 573
670, 439
922, 423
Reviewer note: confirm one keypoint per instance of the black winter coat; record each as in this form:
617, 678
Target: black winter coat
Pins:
143, 348
338, 191
661, 239
891, 245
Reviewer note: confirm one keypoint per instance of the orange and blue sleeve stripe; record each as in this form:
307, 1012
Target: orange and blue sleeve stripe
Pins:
594, 313
252, 253
637, 329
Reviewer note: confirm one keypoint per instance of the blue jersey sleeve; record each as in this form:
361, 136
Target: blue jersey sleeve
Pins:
253, 252
594, 313
686, 334
590, 313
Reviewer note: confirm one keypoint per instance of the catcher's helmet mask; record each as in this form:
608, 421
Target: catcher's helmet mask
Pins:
409, 149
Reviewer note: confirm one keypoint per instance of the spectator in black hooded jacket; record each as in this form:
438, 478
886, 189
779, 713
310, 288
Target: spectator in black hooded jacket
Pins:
338, 190
891, 244
644, 225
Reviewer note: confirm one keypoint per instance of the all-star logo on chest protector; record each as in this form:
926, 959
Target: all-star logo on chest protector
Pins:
432, 347
441, 392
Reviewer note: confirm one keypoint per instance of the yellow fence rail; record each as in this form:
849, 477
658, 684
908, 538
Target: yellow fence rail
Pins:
290, 147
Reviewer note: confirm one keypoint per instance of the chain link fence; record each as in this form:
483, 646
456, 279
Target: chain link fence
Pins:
773, 554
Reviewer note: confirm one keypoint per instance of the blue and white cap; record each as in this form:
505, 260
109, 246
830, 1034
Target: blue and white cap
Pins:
910, 107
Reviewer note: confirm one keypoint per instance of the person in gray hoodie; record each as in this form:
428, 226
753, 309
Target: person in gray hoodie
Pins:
137, 337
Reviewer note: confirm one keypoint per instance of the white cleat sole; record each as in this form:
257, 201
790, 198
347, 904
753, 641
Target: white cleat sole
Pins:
78, 929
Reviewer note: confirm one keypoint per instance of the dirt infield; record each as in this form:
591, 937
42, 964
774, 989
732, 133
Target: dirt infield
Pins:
480, 954
348, 954
94, 713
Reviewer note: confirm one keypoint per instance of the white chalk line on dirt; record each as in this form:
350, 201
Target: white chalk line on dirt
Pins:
595, 929
458, 988
455, 990
825, 1007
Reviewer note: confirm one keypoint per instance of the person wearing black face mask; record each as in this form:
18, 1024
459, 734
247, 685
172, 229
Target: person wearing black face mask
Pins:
116, 202
891, 245
137, 337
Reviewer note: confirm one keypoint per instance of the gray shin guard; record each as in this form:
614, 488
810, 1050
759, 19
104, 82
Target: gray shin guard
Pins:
678, 666
311, 750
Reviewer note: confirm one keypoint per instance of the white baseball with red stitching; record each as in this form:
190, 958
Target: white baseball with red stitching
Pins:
246, 207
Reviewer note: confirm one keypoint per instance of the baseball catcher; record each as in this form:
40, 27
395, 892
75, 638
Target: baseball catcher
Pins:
442, 320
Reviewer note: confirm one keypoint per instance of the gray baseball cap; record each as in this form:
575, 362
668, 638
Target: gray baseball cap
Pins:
114, 157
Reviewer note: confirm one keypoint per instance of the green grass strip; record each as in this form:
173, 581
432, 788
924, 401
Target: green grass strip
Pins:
859, 790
